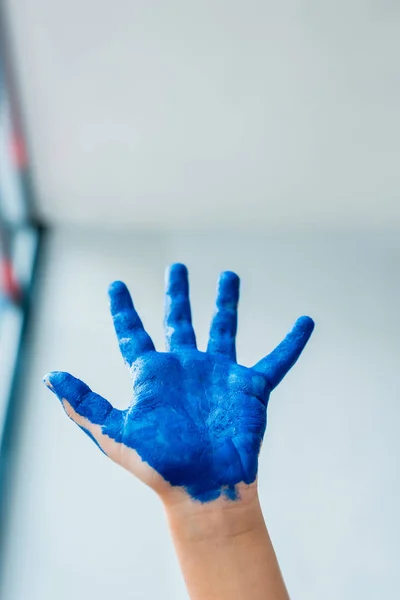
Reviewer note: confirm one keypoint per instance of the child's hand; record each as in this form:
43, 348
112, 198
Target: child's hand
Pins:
197, 419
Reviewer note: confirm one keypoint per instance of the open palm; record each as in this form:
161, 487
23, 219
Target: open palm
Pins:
197, 419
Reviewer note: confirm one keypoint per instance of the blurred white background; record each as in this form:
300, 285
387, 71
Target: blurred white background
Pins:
261, 137
146, 112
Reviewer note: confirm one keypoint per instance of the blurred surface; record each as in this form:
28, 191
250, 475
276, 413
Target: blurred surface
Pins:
82, 528
23, 248
18, 247
167, 114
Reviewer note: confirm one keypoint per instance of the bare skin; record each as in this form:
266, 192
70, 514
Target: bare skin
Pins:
224, 549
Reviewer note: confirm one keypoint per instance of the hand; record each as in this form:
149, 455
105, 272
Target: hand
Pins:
197, 419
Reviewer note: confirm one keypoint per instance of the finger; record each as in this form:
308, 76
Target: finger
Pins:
179, 331
93, 413
224, 323
281, 360
132, 338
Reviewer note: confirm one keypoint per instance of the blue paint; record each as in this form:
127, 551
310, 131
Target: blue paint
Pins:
198, 418
92, 438
224, 324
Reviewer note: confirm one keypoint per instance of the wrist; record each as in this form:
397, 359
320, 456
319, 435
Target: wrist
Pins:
224, 548
193, 521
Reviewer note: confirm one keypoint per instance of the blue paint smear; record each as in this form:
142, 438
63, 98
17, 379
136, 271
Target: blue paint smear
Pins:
198, 418
92, 438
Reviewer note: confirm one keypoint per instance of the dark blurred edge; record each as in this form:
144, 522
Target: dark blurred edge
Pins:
15, 405
10, 438
11, 79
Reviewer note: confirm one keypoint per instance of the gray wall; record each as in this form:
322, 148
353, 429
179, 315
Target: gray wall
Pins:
188, 113
83, 528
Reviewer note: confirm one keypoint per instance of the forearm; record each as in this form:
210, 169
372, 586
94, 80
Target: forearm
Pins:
225, 551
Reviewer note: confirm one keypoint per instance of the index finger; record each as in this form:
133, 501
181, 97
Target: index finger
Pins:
133, 339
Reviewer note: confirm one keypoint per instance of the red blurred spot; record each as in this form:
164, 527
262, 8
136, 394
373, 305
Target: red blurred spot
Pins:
10, 285
18, 151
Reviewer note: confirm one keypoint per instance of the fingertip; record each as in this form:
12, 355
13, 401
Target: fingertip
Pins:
229, 276
55, 382
116, 287
65, 385
305, 324
119, 297
176, 271
54, 377
228, 288
177, 280
177, 267
229, 280
47, 380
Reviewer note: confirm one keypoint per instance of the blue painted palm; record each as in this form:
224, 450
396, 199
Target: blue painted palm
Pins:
197, 419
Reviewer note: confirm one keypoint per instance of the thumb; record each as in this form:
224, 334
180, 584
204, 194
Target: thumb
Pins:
90, 411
